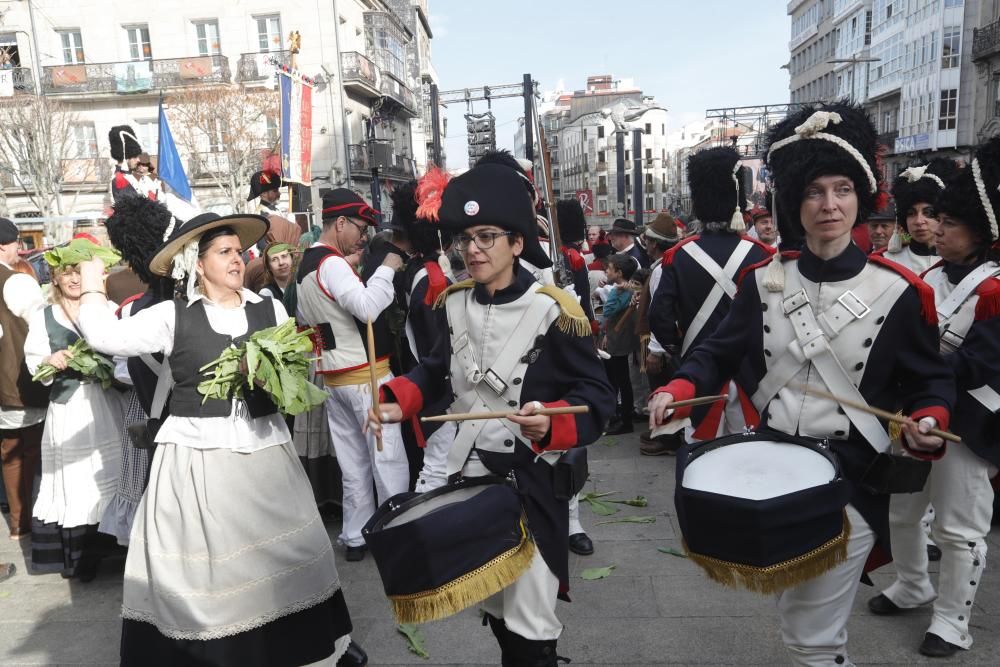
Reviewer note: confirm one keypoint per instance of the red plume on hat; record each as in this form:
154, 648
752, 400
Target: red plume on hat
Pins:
429, 192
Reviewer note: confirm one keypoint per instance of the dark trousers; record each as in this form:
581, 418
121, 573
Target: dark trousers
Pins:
21, 453
618, 376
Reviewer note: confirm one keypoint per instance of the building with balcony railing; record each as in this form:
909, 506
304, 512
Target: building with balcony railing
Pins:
370, 61
986, 57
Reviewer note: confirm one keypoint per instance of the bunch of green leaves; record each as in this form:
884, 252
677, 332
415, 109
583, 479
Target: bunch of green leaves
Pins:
275, 359
414, 639
604, 506
81, 250
82, 359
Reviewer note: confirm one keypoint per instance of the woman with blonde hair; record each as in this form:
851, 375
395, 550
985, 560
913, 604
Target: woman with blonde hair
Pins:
80, 455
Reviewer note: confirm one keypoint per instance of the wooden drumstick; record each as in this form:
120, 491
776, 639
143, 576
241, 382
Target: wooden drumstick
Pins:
884, 414
701, 400
466, 416
373, 378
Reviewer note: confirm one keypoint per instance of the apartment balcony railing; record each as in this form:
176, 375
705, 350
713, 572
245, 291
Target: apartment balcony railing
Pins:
360, 74
203, 165
602, 165
358, 154
401, 167
260, 66
134, 76
24, 82
986, 40
888, 139
554, 158
394, 89
387, 61
602, 189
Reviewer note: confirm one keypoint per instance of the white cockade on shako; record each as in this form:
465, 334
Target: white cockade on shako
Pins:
817, 123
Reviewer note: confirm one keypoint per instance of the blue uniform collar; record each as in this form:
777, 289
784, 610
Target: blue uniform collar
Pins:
522, 281
842, 267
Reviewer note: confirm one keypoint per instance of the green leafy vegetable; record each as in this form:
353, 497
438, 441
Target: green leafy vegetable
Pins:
672, 552
630, 519
414, 639
92, 366
80, 250
594, 573
275, 359
638, 501
600, 507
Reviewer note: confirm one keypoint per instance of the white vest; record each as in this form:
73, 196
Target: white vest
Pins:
316, 306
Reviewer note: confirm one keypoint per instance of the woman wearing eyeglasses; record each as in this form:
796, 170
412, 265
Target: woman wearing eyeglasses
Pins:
513, 345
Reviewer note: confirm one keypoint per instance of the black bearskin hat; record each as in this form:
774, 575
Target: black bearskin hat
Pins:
137, 229
123, 143
425, 238
504, 157
815, 151
915, 185
572, 223
962, 197
714, 194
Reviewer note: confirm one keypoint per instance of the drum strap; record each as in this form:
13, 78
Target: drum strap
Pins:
491, 390
812, 345
724, 284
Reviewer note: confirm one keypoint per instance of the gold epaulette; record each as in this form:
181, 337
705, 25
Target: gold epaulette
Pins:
465, 284
572, 320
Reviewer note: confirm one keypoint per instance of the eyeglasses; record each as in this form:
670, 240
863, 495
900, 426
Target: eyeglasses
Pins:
484, 240
363, 229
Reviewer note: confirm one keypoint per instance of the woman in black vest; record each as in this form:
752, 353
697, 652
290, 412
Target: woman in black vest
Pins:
80, 455
229, 561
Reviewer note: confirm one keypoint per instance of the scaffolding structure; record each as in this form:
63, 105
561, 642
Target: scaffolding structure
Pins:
746, 128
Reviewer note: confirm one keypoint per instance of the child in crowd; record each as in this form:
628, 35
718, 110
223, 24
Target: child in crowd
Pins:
619, 339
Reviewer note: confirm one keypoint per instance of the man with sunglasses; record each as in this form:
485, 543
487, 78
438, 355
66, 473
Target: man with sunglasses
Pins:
333, 299
515, 346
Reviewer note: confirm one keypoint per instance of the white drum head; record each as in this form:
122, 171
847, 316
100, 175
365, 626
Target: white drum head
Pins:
758, 470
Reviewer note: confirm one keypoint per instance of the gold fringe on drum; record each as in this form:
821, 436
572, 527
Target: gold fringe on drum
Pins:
780, 576
469, 589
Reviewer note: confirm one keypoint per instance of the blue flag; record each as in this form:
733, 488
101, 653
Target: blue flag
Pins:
169, 165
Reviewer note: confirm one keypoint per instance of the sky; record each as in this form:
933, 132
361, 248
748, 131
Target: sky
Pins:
691, 55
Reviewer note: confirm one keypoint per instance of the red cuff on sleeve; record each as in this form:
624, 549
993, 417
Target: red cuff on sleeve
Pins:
681, 390
942, 417
402, 390
562, 431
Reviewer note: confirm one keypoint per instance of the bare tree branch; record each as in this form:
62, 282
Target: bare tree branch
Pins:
224, 132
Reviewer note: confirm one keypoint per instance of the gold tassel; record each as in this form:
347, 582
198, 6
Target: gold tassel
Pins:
443, 296
896, 429
780, 576
572, 320
469, 589
643, 351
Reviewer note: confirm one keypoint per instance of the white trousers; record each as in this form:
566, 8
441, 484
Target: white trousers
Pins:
574, 516
434, 472
814, 614
528, 606
959, 489
360, 462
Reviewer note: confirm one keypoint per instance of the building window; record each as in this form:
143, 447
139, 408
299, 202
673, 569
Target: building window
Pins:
649, 204
147, 131
600, 131
207, 33
666, 202
951, 47
584, 134
269, 33
628, 204
628, 181
600, 156
949, 109
84, 140
602, 205
627, 157
996, 95
649, 128
649, 153
663, 129
138, 42
9, 56
953, 3
72, 46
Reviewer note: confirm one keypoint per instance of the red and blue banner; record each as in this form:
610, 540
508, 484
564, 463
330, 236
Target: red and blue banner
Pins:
296, 128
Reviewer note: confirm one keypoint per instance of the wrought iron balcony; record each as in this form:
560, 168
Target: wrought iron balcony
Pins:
888, 139
394, 89
986, 40
360, 74
401, 167
134, 76
24, 82
602, 189
260, 66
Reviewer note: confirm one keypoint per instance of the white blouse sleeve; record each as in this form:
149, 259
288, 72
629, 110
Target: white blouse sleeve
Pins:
146, 332
346, 288
36, 343
280, 314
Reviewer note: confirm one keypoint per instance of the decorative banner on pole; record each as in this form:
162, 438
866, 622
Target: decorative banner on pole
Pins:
296, 128
586, 199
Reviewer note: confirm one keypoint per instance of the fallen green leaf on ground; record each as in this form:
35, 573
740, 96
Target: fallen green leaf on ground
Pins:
638, 501
630, 519
593, 573
672, 552
609, 442
414, 639
600, 507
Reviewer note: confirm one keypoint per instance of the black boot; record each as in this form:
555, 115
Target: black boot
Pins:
523, 652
